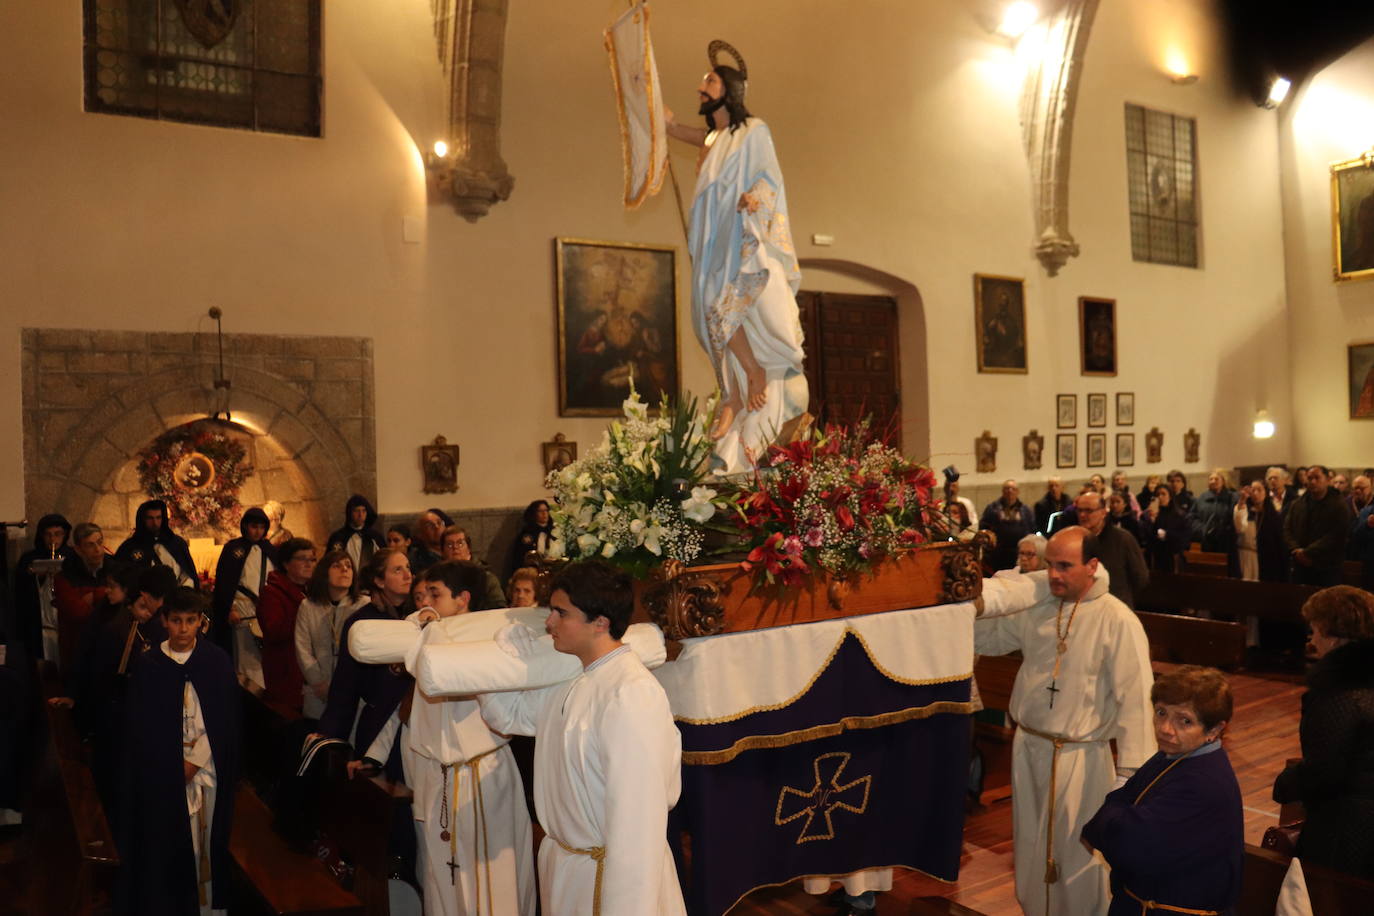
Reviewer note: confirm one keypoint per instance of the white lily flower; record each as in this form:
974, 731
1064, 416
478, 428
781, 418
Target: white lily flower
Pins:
608, 549
587, 543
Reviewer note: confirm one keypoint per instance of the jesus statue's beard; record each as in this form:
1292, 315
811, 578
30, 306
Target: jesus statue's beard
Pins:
709, 108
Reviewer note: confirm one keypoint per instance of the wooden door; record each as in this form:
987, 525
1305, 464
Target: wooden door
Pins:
851, 356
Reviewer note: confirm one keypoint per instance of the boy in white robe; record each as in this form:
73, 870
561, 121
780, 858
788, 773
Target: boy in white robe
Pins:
607, 758
1084, 681
472, 830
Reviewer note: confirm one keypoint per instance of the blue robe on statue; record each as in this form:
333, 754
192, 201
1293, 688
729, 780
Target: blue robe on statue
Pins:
745, 275
1182, 843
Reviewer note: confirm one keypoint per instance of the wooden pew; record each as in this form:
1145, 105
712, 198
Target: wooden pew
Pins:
1201, 562
72, 839
281, 881
358, 817
1194, 640
1330, 891
996, 674
1174, 592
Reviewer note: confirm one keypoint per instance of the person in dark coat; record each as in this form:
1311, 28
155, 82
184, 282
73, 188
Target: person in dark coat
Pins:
428, 532
153, 541
1164, 531
1120, 515
1315, 531
1178, 486
281, 600
1334, 780
536, 534
1009, 520
358, 537
1212, 515
1118, 552
1054, 500
380, 688
183, 737
1362, 545
108, 654
33, 607
1175, 833
250, 549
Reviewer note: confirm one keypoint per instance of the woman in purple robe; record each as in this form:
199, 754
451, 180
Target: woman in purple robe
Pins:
1174, 833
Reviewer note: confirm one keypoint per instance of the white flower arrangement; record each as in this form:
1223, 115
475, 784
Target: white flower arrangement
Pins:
638, 497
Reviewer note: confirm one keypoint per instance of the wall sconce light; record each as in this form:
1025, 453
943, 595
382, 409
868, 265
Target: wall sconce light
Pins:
1176, 65
1278, 91
438, 154
1264, 427
1016, 18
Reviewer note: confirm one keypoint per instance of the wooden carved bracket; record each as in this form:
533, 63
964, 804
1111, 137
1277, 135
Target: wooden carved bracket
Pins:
963, 574
684, 604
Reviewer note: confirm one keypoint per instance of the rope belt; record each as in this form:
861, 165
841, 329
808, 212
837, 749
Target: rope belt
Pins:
596, 854
479, 825
1147, 905
1051, 866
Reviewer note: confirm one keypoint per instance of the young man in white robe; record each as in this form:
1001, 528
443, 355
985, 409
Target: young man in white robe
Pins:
473, 838
1085, 680
607, 758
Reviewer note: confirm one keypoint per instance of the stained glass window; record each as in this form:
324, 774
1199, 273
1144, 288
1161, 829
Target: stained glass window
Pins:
252, 64
1161, 169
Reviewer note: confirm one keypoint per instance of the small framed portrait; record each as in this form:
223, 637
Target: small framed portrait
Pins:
617, 322
558, 453
1000, 323
1360, 358
1154, 446
1125, 450
1125, 408
1097, 335
1066, 450
985, 452
1097, 409
439, 465
1191, 443
1097, 450
1032, 450
1066, 411
1352, 217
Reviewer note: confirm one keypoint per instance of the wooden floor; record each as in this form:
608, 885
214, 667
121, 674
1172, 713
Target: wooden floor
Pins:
1262, 736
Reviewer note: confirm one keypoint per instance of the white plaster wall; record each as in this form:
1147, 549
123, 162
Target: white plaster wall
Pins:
896, 124
1328, 119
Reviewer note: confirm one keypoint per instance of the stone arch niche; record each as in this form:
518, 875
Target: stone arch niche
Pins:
93, 399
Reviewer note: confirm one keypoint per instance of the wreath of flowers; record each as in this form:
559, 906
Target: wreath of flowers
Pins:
215, 505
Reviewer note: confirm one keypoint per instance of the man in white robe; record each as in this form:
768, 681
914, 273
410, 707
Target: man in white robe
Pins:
744, 271
1085, 680
607, 760
473, 838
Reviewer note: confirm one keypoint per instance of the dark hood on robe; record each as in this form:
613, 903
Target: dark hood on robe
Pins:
249, 517
357, 499
48, 521
140, 532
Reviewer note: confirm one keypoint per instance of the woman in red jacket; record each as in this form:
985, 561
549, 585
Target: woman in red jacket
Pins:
282, 595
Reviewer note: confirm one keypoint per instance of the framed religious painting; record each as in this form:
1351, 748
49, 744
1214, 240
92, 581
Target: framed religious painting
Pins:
1000, 323
558, 453
439, 466
1066, 450
1192, 441
1360, 362
1352, 217
1125, 450
1125, 408
1097, 409
1097, 450
1066, 411
1097, 335
985, 452
1154, 446
617, 323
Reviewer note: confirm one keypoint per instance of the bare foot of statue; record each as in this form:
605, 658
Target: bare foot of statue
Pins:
725, 418
756, 378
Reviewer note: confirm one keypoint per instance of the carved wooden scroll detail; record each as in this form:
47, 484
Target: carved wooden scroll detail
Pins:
684, 604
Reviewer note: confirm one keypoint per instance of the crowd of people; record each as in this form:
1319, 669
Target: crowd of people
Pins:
153, 668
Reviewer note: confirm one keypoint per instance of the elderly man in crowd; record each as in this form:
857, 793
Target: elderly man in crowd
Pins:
1119, 552
1315, 531
1009, 520
1054, 500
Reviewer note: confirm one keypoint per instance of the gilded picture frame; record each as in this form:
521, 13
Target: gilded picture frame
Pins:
1097, 336
1000, 323
1360, 372
1352, 218
617, 321
439, 466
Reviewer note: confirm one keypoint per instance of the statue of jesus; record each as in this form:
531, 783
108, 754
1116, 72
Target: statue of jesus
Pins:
744, 270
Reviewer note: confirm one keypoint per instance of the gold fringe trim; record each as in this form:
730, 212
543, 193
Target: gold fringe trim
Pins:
652, 185
830, 657
787, 739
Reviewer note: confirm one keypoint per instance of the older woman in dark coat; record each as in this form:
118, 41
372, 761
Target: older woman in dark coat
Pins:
1174, 832
1335, 778
1164, 531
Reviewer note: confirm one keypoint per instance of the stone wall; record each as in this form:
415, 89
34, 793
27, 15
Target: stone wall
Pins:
92, 399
